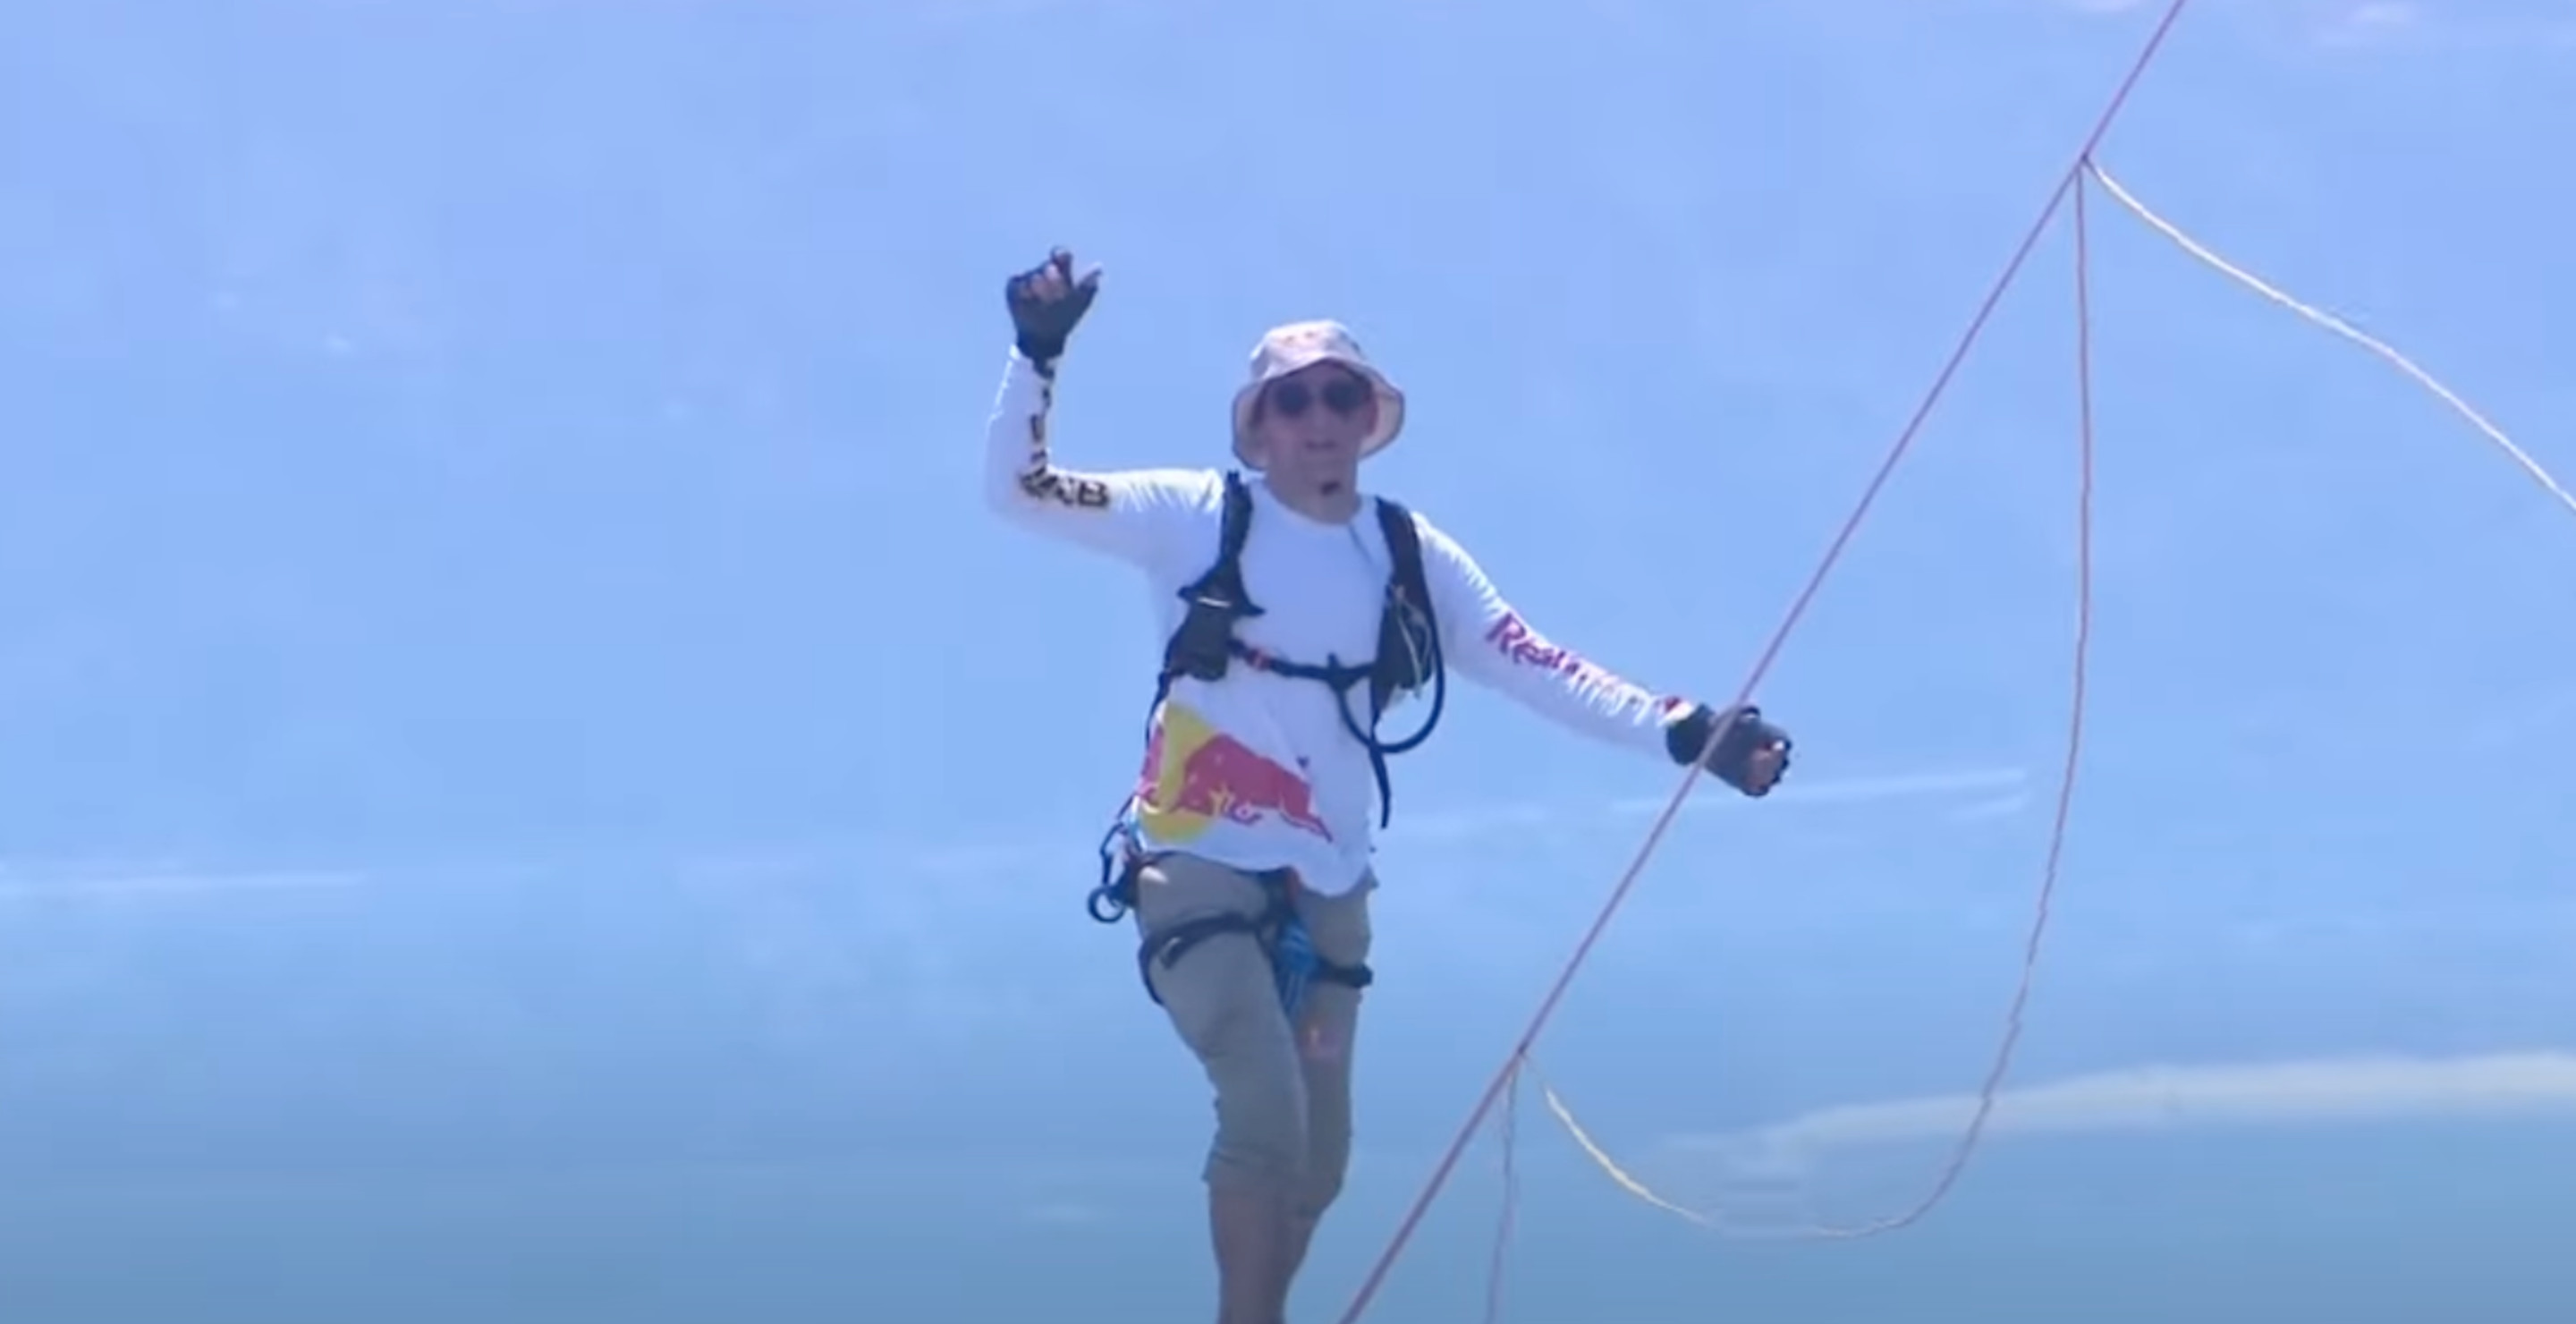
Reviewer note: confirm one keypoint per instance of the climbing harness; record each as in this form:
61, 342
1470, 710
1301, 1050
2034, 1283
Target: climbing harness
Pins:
1204, 646
1295, 965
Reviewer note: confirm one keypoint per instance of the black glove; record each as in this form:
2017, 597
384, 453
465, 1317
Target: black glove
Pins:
1046, 303
1750, 754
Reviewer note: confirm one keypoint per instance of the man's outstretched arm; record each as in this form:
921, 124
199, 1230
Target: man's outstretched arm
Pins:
1135, 515
1485, 639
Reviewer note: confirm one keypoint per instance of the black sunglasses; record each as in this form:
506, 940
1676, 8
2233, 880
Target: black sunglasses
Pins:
1342, 395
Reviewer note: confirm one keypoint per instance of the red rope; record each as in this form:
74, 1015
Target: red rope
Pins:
1509, 1072
1503, 1224
1992, 1087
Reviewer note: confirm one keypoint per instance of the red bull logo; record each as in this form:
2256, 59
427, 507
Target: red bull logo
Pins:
1524, 646
1195, 775
1514, 639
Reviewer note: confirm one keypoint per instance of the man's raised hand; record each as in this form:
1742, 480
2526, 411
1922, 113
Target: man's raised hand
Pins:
1047, 301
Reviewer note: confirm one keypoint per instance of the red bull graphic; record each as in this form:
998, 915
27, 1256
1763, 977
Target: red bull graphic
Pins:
1195, 774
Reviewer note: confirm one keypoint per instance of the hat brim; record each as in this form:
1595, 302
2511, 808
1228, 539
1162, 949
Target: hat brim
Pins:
1390, 405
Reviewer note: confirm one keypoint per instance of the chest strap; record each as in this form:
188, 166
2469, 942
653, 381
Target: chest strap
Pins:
1408, 645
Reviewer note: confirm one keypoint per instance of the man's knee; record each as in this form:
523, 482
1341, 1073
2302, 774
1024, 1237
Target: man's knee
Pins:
1260, 1144
1327, 1043
1321, 1185
1262, 1097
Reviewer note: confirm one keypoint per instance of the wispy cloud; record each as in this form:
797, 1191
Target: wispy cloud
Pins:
2335, 22
1848, 791
167, 883
1867, 790
1767, 1180
2002, 806
2166, 1098
2374, 20
2552, 709
1006, 855
1065, 1213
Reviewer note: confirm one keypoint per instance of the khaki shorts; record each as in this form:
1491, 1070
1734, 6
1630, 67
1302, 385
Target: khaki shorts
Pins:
1283, 1093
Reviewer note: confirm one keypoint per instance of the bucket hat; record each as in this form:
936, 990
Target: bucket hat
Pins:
1300, 345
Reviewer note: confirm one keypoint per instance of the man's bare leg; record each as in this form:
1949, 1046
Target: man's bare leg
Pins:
1252, 1229
1301, 1234
1327, 1071
1329, 1106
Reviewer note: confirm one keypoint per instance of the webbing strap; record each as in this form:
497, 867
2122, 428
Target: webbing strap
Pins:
1281, 934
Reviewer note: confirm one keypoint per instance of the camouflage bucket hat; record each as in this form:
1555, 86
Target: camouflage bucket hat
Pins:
1299, 345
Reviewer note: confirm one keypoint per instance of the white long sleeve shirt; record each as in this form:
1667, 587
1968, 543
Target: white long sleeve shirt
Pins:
1256, 770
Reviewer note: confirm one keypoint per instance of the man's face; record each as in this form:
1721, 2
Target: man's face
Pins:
1309, 426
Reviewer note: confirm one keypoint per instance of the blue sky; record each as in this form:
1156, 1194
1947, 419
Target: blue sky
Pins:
505, 670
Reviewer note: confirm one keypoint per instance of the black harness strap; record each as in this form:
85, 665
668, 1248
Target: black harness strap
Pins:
1216, 600
1408, 658
1170, 945
1408, 644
